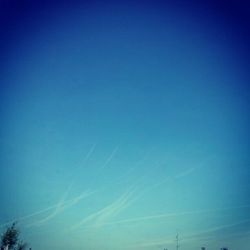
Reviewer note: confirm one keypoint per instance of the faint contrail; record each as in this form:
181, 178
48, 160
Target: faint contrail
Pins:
90, 152
151, 243
29, 215
104, 211
166, 215
114, 210
218, 228
186, 172
190, 237
201, 234
66, 204
61, 206
126, 176
180, 175
74, 201
228, 235
109, 211
139, 162
109, 158
58, 208
129, 171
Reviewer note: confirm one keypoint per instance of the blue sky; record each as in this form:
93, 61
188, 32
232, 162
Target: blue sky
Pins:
125, 123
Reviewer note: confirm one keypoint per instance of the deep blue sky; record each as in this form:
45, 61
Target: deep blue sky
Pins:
123, 123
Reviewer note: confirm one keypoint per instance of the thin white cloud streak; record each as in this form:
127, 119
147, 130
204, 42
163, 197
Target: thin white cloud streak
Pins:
182, 174
135, 166
29, 215
61, 206
125, 177
186, 172
165, 180
82, 162
90, 152
77, 199
189, 171
139, 180
158, 184
167, 215
189, 237
114, 210
109, 159
107, 211
100, 217
152, 243
204, 238
66, 204
218, 228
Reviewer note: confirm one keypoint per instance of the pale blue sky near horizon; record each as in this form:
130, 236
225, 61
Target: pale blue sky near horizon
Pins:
123, 124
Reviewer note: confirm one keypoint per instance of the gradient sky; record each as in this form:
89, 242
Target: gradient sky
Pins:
123, 123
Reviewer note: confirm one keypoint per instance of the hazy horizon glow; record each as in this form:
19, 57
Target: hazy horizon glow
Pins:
125, 123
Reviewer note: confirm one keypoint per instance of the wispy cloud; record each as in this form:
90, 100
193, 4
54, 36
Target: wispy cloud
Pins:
57, 210
186, 172
181, 174
44, 210
86, 158
189, 171
174, 214
58, 207
28, 216
109, 159
100, 217
129, 172
201, 235
90, 152
75, 172
61, 206
206, 236
77, 199
217, 228
152, 243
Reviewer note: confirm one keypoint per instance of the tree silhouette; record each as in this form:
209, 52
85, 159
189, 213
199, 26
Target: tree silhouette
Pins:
10, 239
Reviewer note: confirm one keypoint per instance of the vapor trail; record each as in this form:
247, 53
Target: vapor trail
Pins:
66, 204
109, 158
180, 175
191, 237
58, 208
167, 215
186, 172
90, 152
218, 228
61, 206
152, 243
29, 215
108, 212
